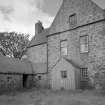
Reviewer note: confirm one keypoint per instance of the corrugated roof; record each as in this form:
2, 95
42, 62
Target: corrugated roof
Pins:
39, 38
11, 65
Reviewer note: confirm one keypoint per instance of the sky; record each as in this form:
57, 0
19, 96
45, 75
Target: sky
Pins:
21, 15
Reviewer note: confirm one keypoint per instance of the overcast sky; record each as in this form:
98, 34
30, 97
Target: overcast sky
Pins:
21, 15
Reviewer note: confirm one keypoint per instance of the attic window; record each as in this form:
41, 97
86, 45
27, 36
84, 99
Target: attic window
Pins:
72, 20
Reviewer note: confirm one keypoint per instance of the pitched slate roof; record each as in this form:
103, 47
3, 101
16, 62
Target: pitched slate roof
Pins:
39, 38
39, 68
11, 65
74, 63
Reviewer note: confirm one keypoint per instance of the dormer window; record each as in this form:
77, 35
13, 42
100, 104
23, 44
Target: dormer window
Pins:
73, 20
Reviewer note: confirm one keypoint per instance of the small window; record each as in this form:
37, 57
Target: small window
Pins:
8, 78
39, 77
72, 20
64, 74
63, 45
84, 74
84, 44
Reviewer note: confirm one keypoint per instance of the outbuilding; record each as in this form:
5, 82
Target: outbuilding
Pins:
15, 73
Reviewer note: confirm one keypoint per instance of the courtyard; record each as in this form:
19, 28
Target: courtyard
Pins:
49, 97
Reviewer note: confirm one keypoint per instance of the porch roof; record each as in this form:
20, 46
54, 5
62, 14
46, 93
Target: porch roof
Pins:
74, 63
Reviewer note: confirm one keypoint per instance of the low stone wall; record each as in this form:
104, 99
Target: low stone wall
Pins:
41, 80
10, 81
15, 81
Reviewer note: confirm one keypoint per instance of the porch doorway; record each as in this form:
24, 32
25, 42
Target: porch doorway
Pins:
25, 77
84, 78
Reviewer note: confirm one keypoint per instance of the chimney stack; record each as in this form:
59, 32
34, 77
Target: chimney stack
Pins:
38, 27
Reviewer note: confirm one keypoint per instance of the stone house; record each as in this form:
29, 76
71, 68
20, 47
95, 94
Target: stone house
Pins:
74, 45
15, 74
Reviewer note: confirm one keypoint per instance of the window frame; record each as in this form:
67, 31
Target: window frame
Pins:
64, 74
82, 52
39, 77
72, 20
84, 74
65, 40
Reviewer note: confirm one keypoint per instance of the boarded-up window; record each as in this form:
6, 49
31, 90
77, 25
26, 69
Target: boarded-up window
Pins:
72, 20
63, 45
64, 74
84, 44
84, 74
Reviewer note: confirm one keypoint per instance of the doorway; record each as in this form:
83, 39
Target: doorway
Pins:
84, 78
25, 77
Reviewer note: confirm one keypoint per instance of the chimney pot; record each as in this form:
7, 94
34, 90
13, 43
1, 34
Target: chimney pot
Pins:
38, 27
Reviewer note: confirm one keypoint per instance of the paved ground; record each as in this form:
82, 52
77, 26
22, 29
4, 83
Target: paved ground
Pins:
47, 97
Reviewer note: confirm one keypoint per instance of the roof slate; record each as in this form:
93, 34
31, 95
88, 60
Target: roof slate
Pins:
11, 65
39, 68
74, 63
39, 38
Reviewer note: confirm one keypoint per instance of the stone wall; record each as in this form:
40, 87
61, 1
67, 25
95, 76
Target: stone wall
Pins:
86, 12
9, 81
37, 53
93, 60
58, 82
15, 81
41, 80
38, 57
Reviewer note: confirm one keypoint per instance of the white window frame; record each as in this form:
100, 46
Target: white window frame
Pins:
63, 47
84, 46
64, 74
84, 74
